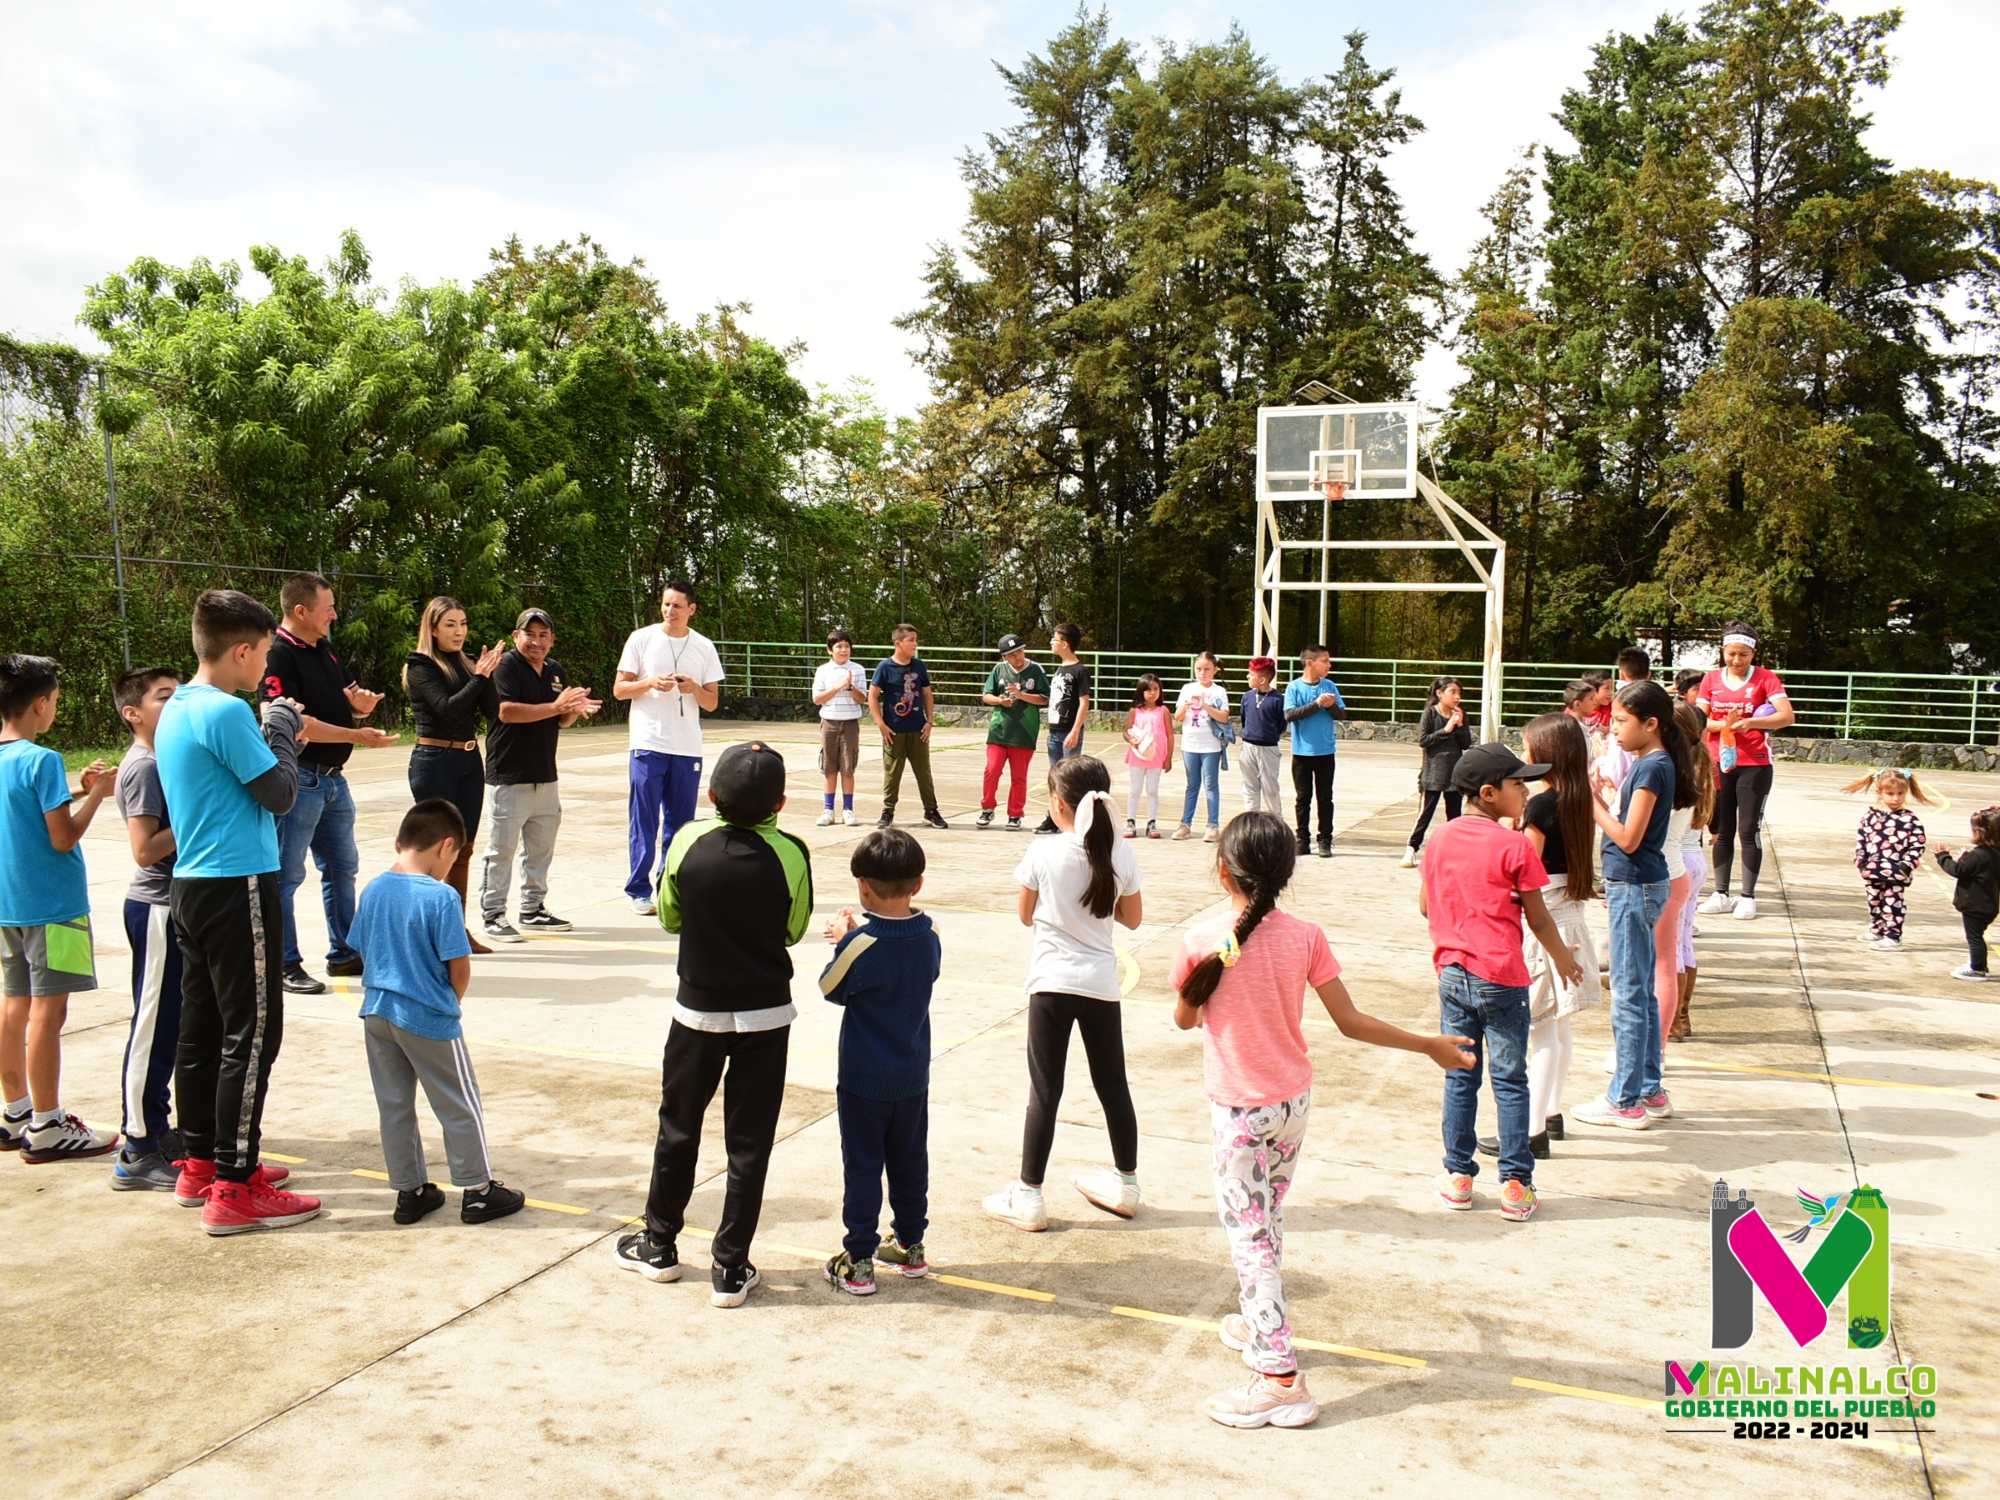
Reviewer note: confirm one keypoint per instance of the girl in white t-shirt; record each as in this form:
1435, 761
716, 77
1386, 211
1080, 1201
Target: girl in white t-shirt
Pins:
1243, 980
1073, 888
1202, 705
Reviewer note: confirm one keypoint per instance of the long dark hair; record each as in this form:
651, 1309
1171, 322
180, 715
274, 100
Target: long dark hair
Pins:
1558, 741
1260, 853
1648, 700
1438, 685
1146, 680
1072, 780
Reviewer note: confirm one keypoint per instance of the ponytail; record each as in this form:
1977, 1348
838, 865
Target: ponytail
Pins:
1259, 852
1648, 700
1081, 780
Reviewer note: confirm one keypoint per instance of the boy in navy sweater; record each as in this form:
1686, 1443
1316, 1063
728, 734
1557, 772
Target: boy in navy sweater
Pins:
1263, 726
882, 974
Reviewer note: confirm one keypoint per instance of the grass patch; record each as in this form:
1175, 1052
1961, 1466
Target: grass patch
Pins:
76, 760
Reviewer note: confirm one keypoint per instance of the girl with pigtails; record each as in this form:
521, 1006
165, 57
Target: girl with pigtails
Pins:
1074, 887
1889, 850
1242, 978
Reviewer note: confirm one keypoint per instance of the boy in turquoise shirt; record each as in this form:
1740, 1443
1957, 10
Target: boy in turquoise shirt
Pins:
45, 948
1312, 704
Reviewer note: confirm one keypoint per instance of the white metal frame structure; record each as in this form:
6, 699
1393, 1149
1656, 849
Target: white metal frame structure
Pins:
1372, 451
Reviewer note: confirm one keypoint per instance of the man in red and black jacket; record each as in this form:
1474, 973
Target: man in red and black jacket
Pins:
304, 668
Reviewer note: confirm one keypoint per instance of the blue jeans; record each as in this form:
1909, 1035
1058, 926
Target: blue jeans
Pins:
1059, 745
662, 786
1635, 1008
1204, 769
1495, 1016
322, 820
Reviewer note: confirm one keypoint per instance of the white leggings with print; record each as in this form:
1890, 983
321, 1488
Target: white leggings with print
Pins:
1256, 1150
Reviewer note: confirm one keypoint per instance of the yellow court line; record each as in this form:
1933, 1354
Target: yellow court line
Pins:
1586, 1393
1867, 1083
1026, 1294
290, 1161
558, 1208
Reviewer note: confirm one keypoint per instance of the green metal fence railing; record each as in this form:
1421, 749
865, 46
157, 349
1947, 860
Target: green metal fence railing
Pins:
1932, 707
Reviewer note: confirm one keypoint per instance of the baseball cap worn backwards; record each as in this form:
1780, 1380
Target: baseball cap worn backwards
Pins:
1490, 765
748, 782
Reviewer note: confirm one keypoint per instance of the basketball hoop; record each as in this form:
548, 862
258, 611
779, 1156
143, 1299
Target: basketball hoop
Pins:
1333, 491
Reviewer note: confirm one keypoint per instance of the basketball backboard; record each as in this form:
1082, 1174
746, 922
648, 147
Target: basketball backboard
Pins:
1371, 449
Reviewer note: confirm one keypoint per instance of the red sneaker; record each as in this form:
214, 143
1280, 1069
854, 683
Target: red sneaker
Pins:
240, 1207
198, 1176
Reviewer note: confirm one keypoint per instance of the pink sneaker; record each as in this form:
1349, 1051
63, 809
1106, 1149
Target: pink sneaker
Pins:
198, 1176
241, 1207
1601, 1111
1263, 1401
1657, 1106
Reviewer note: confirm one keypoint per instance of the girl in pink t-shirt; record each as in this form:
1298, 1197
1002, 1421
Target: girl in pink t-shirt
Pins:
1242, 979
1149, 750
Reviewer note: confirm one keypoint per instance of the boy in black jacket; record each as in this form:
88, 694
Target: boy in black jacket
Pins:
739, 892
882, 975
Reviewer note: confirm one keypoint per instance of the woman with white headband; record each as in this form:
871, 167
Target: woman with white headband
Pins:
1074, 887
1733, 698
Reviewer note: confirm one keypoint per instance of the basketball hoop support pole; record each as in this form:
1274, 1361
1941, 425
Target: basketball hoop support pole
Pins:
1465, 534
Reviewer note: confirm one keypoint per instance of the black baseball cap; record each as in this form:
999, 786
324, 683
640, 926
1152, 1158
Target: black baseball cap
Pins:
748, 782
530, 615
1489, 765
1010, 643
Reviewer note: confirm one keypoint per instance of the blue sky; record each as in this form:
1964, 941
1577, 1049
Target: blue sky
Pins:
798, 157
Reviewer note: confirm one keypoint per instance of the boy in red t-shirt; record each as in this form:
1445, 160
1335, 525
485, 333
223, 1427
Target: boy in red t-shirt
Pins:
1481, 878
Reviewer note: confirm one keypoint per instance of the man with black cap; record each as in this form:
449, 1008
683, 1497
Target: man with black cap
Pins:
739, 892
536, 703
1015, 690
1480, 880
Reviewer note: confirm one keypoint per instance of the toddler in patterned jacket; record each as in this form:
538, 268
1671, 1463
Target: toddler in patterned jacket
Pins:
1887, 851
1243, 979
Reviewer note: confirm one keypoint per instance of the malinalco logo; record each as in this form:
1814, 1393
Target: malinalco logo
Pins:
1747, 1258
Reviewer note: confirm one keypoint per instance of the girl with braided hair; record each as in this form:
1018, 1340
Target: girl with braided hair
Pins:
1242, 979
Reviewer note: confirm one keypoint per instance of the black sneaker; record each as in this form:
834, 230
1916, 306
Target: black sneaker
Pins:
1554, 1128
1047, 825
494, 1201
543, 921
656, 1260
151, 1173
1326, 848
500, 930
346, 968
413, 1204
730, 1285
936, 820
173, 1145
887, 820
1013, 825
1538, 1146
299, 982
1305, 844
985, 818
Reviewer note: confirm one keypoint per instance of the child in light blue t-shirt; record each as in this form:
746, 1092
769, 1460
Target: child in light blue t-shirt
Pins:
410, 932
45, 947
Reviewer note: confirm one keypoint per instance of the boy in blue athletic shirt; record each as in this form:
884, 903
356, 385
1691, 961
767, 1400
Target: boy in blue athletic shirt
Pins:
1312, 704
45, 946
410, 932
225, 781
882, 974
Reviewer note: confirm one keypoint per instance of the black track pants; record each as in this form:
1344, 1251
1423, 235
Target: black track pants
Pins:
1049, 1020
232, 1014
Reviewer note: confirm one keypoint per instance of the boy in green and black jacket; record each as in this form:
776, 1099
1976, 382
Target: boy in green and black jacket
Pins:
739, 893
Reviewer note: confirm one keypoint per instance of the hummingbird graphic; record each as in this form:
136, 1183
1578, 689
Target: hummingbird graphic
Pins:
1820, 1209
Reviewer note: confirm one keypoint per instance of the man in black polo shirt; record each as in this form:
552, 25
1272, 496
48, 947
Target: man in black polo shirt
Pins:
302, 666
536, 703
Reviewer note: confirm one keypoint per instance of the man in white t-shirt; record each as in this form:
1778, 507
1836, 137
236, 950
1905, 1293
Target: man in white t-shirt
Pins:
669, 674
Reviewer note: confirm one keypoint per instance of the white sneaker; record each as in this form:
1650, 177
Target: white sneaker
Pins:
1971, 975
643, 905
1409, 859
849, 819
825, 819
66, 1138
1110, 1191
1746, 909
1265, 1401
1866, 935
1886, 944
1601, 1111
1717, 904
1020, 1205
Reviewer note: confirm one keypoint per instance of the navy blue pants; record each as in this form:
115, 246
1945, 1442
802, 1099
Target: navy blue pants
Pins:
661, 799
155, 1038
878, 1135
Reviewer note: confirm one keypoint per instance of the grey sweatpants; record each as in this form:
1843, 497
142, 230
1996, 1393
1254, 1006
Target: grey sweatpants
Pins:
526, 815
1260, 765
397, 1061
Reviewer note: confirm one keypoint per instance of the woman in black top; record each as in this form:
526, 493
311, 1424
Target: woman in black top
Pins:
1444, 736
448, 693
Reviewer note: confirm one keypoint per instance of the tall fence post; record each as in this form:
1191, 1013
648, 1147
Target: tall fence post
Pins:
1847, 713
1392, 692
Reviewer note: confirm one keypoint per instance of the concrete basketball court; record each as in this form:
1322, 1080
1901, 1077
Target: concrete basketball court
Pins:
1450, 1353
